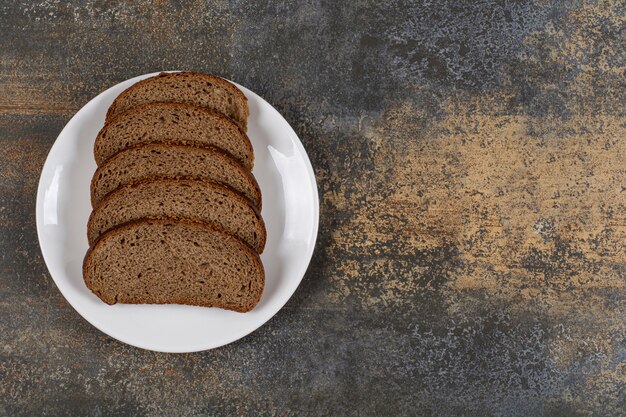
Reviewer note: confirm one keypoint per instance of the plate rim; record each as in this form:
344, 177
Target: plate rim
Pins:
308, 255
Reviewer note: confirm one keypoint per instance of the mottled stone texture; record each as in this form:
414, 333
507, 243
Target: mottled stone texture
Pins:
471, 163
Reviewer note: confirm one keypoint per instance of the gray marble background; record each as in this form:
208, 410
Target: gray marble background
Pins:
470, 158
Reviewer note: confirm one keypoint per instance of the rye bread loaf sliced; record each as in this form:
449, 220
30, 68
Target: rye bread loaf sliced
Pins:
185, 199
202, 90
166, 261
172, 161
172, 123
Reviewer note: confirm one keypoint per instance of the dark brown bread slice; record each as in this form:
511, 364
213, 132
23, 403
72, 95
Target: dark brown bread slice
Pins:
185, 199
165, 261
172, 123
172, 161
202, 90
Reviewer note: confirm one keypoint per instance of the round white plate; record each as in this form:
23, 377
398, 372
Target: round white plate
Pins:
290, 210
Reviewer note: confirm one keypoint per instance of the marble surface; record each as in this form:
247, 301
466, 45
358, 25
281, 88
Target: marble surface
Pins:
471, 163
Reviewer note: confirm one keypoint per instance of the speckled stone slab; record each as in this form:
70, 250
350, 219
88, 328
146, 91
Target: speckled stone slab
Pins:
471, 162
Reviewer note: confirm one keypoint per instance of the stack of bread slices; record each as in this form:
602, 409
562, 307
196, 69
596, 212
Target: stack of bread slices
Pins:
176, 210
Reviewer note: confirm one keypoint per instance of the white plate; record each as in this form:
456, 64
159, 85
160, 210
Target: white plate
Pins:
290, 210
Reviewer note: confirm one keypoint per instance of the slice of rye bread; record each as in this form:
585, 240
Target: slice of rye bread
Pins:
202, 90
172, 123
173, 161
167, 261
179, 198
